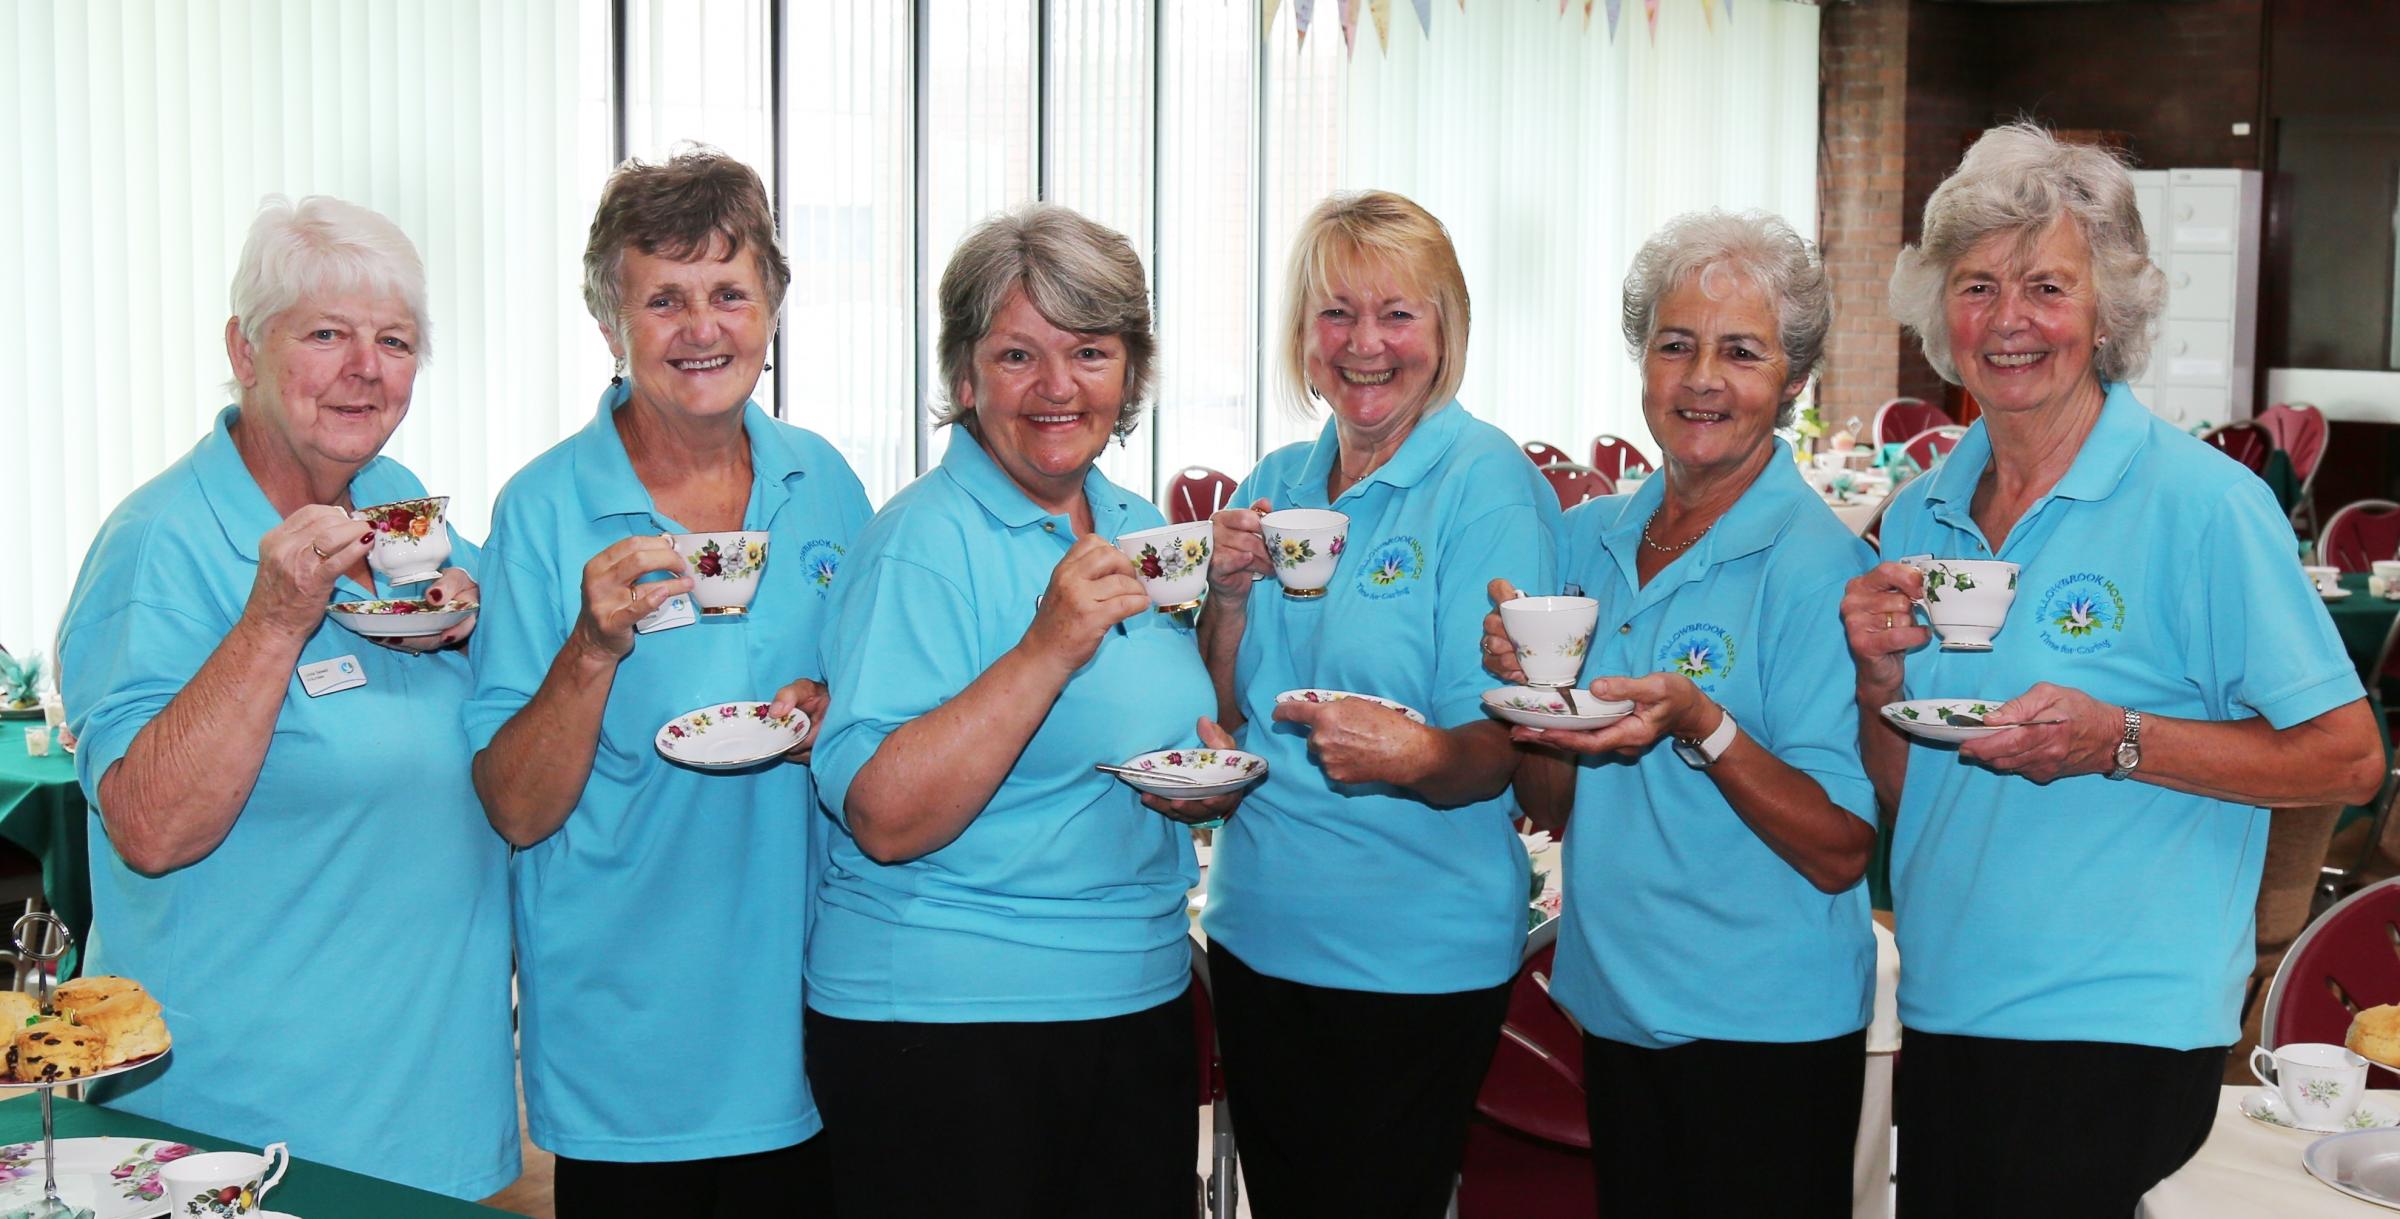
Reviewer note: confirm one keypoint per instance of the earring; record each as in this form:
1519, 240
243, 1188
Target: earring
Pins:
765, 367
619, 379
2102, 341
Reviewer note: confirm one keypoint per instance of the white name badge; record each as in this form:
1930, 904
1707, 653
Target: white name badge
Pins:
332, 676
677, 611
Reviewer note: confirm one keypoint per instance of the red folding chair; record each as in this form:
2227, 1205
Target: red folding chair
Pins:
1543, 453
2343, 963
2299, 430
2356, 535
1529, 1157
1902, 418
1929, 447
1197, 494
1221, 1190
2244, 441
1575, 484
1612, 456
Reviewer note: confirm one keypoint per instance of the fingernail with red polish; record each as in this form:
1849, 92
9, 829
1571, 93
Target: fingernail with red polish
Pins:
435, 596
368, 540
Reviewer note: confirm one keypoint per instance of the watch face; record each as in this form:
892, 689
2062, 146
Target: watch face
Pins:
2128, 755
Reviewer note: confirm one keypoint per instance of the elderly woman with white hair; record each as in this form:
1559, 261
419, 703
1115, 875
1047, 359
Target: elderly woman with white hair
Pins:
295, 864
2074, 893
999, 1017
1715, 944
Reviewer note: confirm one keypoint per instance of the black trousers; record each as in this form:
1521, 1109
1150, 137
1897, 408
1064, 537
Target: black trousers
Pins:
2060, 1129
1662, 1121
728, 1187
1349, 1102
1071, 1119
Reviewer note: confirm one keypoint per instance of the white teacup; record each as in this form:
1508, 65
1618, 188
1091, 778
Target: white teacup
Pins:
2320, 1084
1305, 544
1967, 600
222, 1182
1552, 635
724, 568
2327, 579
411, 539
1172, 562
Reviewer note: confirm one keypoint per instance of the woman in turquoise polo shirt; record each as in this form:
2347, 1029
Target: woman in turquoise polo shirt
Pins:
999, 1021
1367, 907
2074, 895
661, 912
293, 860
1715, 946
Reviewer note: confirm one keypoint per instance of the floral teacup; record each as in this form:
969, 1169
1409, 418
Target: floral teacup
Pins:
1552, 635
1967, 600
1305, 544
222, 1183
411, 540
724, 567
2320, 1084
1172, 562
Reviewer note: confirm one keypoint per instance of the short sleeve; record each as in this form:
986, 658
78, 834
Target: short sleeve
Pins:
121, 664
517, 634
1513, 542
2258, 635
903, 643
1808, 688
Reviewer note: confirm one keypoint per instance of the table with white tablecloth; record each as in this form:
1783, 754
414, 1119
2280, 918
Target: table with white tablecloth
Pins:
2248, 1169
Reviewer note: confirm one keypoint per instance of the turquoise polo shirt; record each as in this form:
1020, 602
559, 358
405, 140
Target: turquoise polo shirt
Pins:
347, 942
1681, 923
671, 898
2157, 575
1064, 898
1365, 886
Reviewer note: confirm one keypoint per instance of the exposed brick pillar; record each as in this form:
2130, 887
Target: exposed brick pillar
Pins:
1863, 62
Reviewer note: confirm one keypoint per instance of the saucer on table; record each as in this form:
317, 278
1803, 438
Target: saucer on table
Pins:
1543, 707
2265, 1105
2334, 594
724, 736
2364, 1164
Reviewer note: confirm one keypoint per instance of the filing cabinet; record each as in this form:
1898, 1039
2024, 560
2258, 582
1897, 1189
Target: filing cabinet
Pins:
2204, 232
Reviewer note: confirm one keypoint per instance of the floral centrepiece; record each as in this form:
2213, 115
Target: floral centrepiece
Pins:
1545, 897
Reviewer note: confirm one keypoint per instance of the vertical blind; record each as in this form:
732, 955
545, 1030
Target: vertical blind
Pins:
147, 132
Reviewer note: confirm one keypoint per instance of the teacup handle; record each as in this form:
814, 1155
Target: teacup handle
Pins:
279, 1158
2260, 1054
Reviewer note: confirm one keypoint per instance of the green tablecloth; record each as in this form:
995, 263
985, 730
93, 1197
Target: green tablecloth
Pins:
311, 1191
42, 810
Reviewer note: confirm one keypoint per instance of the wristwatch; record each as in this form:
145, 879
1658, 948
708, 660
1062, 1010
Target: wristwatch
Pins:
1703, 753
2129, 747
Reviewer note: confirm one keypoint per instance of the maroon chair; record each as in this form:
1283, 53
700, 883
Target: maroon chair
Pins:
1197, 494
1575, 484
2348, 960
1612, 456
1529, 1154
1929, 447
2299, 430
2357, 535
1902, 418
2243, 441
1221, 1190
1543, 453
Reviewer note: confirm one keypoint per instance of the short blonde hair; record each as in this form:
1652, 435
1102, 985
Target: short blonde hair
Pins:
1079, 274
2020, 179
1354, 232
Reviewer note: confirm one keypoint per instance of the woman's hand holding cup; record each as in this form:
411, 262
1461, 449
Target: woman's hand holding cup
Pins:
1092, 589
1500, 651
1879, 618
615, 598
298, 562
1240, 558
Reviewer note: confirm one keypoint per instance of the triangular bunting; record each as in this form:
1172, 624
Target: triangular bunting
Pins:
1650, 10
1303, 12
1381, 10
1266, 24
1613, 8
1708, 12
1349, 15
1729, 10
1425, 15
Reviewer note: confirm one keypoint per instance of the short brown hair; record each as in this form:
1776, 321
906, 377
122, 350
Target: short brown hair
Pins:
678, 209
1080, 275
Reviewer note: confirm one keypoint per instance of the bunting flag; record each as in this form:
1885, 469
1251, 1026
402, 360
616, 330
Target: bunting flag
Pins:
1381, 10
1303, 11
1614, 8
1649, 10
1708, 13
1728, 10
1587, 16
1266, 24
1425, 14
1348, 10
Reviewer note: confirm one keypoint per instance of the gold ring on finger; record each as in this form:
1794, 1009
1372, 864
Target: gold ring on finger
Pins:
320, 551
1887, 622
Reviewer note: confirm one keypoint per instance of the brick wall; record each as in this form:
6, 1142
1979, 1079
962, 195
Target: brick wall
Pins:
1864, 67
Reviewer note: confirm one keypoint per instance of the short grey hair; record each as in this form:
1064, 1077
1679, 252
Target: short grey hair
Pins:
1757, 246
1080, 275
323, 246
2021, 180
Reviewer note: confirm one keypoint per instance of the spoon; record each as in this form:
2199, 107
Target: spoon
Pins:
1960, 719
1151, 776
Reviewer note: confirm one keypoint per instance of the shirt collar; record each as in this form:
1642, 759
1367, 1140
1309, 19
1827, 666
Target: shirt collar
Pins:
1427, 443
1755, 521
606, 485
242, 507
968, 464
2116, 439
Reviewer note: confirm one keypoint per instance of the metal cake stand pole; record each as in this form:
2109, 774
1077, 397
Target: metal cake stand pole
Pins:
42, 937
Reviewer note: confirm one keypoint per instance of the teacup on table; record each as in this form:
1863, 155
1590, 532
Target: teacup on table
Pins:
2327, 579
2320, 1084
1172, 562
1305, 544
1967, 600
222, 1182
724, 568
1552, 634
411, 540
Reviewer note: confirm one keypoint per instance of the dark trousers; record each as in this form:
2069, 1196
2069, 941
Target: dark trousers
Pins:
2060, 1129
728, 1187
1349, 1102
1070, 1119
1664, 1121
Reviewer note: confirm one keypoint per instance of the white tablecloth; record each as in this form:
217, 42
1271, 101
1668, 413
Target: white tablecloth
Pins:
1858, 512
2248, 1170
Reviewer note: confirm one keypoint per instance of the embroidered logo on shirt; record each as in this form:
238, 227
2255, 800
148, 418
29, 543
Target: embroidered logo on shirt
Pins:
2081, 614
1702, 651
1392, 567
821, 559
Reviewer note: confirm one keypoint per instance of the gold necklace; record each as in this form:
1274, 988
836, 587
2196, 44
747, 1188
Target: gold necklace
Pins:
1662, 547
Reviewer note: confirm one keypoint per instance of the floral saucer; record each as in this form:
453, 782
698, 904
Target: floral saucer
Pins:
1335, 696
405, 618
1543, 707
1931, 718
1216, 772
2334, 594
117, 1178
2265, 1105
728, 736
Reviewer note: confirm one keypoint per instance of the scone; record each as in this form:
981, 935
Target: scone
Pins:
16, 1007
84, 992
130, 1022
55, 1049
2375, 1034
